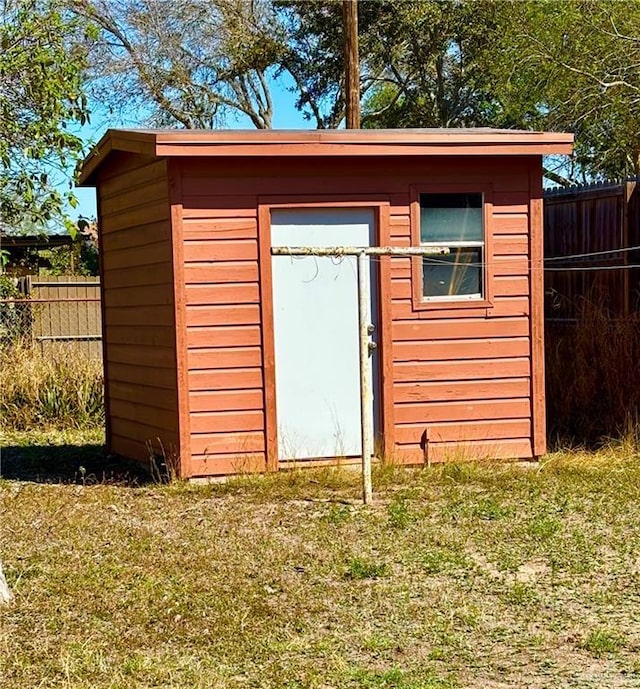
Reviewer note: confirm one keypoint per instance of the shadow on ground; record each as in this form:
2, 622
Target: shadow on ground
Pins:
83, 464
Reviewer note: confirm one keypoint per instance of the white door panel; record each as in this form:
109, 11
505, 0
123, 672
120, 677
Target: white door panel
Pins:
315, 310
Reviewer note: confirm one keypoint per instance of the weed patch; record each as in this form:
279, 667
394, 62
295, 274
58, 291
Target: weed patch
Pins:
490, 509
358, 568
543, 528
436, 560
602, 642
399, 512
52, 389
593, 377
338, 514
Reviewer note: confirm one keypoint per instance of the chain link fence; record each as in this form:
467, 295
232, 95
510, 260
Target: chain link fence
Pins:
53, 311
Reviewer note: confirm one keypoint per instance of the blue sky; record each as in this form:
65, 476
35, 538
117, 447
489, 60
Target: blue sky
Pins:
285, 116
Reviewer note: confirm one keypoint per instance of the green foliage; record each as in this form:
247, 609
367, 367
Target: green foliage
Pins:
490, 509
418, 66
8, 288
395, 678
543, 527
530, 64
338, 514
522, 594
41, 64
436, 559
428, 68
416, 62
80, 258
15, 318
571, 66
314, 56
400, 516
358, 568
603, 642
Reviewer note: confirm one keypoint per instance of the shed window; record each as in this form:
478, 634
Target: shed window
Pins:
454, 222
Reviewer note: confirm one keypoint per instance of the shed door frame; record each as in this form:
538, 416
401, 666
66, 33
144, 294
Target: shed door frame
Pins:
381, 212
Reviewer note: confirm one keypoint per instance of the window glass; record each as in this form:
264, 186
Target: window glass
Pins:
455, 222
456, 274
451, 217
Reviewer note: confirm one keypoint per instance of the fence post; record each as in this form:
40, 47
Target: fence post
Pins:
632, 238
626, 283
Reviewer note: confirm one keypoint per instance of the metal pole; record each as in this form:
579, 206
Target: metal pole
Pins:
338, 251
364, 323
366, 411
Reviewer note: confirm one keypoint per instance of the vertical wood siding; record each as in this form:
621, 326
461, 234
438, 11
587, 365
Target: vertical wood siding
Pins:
139, 321
585, 220
460, 379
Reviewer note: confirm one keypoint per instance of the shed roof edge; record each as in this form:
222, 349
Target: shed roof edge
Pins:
295, 143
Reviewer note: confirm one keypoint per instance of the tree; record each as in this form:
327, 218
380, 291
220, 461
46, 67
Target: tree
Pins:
573, 65
79, 258
417, 61
314, 54
427, 62
193, 64
314, 57
189, 64
532, 64
41, 63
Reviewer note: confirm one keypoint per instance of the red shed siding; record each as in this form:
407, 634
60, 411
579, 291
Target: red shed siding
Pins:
461, 374
138, 297
224, 356
462, 378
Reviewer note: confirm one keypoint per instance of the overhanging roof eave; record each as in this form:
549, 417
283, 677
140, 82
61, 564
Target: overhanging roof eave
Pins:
323, 143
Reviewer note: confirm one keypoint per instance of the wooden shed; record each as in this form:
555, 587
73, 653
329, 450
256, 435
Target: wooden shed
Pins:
233, 359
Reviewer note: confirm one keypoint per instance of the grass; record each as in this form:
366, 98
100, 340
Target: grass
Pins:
58, 387
592, 376
458, 576
602, 642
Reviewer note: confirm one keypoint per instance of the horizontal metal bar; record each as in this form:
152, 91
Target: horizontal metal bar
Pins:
50, 338
73, 300
357, 250
455, 245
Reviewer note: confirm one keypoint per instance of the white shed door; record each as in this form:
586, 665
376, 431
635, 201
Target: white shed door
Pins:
315, 312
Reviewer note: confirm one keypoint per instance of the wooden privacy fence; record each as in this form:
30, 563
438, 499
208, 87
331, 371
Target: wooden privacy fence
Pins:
55, 310
594, 223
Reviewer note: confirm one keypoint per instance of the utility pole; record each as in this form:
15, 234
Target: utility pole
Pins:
351, 63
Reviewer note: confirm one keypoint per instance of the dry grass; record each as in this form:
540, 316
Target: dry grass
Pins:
458, 576
59, 387
593, 377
